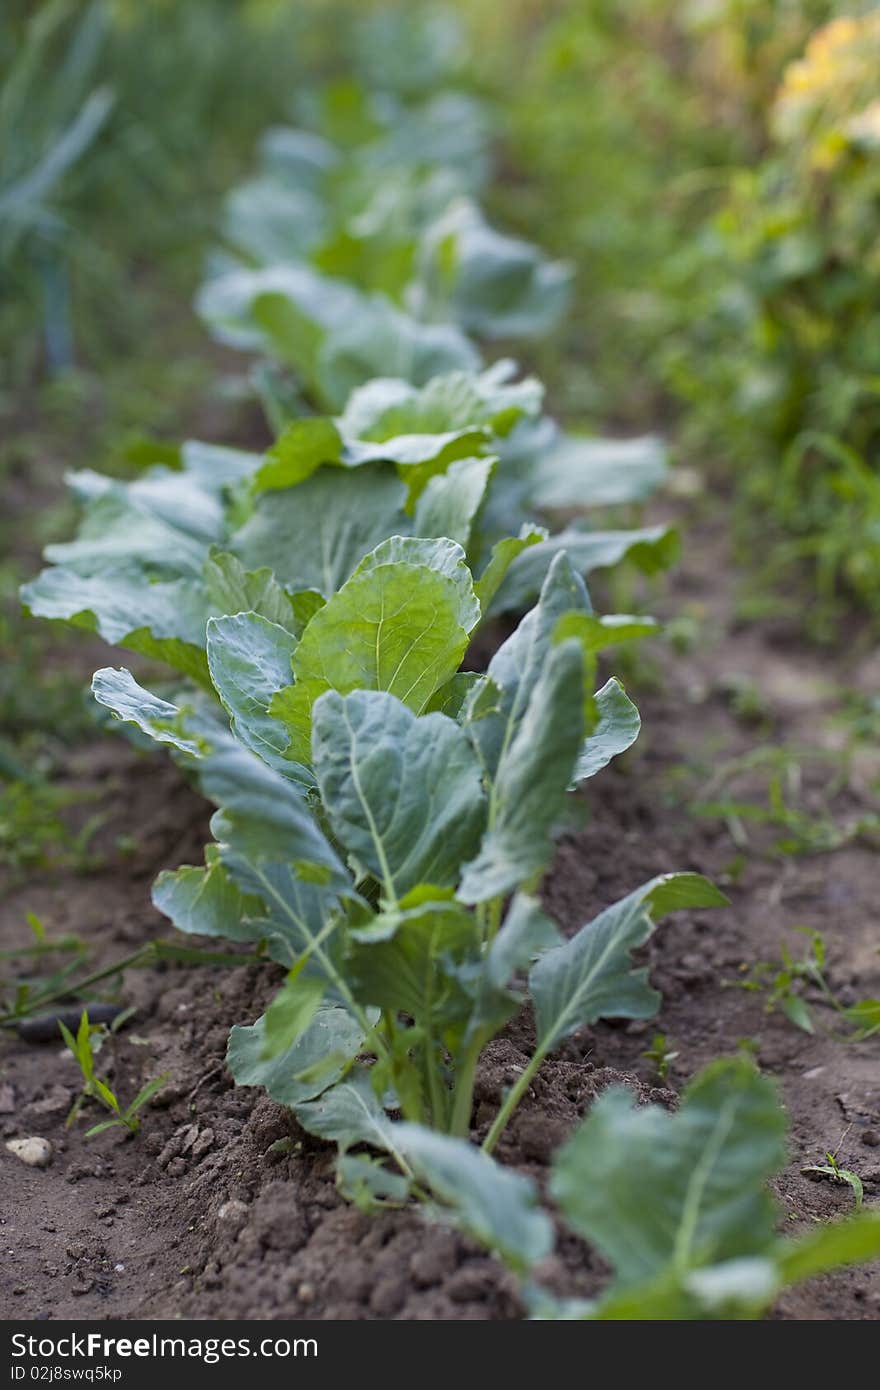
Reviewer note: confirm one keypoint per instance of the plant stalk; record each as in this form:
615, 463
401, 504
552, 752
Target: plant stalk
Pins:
512, 1100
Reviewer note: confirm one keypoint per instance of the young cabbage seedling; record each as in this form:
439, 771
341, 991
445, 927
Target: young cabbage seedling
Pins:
387, 840
95, 1089
661, 1055
783, 983
832, 1170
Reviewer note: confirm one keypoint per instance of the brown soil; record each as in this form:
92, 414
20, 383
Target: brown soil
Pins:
206, 1215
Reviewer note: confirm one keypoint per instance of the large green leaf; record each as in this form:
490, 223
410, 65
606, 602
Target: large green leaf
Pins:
839, 1243
382, 339
451, 501
182, 500
335, 335
402, 793
227, 303
496, 707
315, 1061
496, 286
659, 1191
206, 902
579, 472
534, 773
739, 1288
591, 976
398, 626
265, 816
273, 849
349, 1113
231, 588
650, 549
313, 535
162, 620
292, 1010
217, 466
504, 552
388, 406
492, 1204
249, 660
437, 553
272, 222
306, 445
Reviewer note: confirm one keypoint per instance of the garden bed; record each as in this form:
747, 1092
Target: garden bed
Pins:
222, 1207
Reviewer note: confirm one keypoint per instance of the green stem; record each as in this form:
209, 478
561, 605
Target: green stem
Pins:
68, 990
463, 1104
435, 1083
494, 921
511, 1101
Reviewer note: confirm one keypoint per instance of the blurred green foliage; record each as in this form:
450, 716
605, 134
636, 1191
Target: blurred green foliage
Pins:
713, 167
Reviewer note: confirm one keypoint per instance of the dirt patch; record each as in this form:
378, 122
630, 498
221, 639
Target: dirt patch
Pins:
224, 1208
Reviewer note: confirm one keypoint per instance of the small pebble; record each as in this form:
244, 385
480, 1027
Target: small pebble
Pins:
35, 1152
120, 1269
233, 1213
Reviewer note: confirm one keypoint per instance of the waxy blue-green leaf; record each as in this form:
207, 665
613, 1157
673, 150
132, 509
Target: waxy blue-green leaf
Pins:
313, 535
265, 818
532, 778
273, 849
494, 1205
451, 501
226, 303
616, 729
206, 902
316, 1060
164, 722
350, 1113
579, 472
504, 552
165, 621
661, 1192
650, 549
525, 934
496, 707
402, 794
249, 660
591, 976
293, 1008
217, 466
273, 223
740, 1288
387, 406
164, 502
380, 338
230, 588
300, 157
368, 1182
335, 335
494, 285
